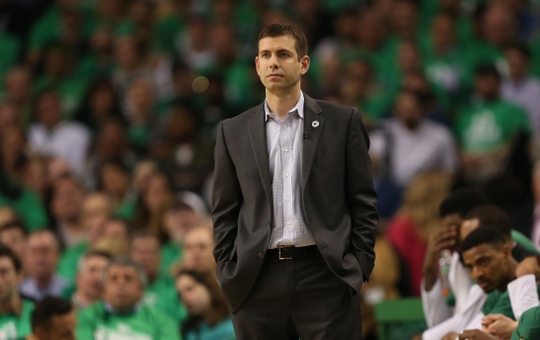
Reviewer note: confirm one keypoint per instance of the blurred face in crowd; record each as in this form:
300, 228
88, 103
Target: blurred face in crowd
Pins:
111, 141
8, 116
182, 124
68, 199
198, 245
35, 175
146, 251
443, 32
404, 18
62, 327
408, 57
370, 30
56, 169
126, 51
278, 65
102, 101
178, 220
96, 209
42, 255
115, 180
122, 288
12, 143
157, 194
89, 275
488, 266
141, 96
487, 86
116, 229
49, 109
518, 63
499, 25
9, 280
102, 40
18, 83
7, 215
195, 296
16, 240
408, 109
142, 173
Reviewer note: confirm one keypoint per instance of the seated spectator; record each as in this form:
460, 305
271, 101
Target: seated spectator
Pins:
52, 136
66, 206
123, 288
487, 129
53, 318
153, 202
40, 264
407, 146
208, 314
14, 310
88, 280
95, 211
198, 244
521, 88
417, 219
145, 250
116, 228
114, 180
15, 237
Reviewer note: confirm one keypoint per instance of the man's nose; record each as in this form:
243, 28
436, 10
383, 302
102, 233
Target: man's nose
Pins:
273, 62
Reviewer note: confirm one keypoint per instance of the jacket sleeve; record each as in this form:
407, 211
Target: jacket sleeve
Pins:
226, 199
361, 196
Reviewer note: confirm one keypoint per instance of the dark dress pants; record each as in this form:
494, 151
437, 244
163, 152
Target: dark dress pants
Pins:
299, 298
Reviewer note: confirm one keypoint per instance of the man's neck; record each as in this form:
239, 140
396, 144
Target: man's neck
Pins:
84, 299
282, 103
510, 275
14, 305
43, 282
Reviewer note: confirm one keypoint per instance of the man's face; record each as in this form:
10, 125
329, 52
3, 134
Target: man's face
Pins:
68, 200
89, 276
62, 328
487, 86
9, 279
198, 244
42, 255
122, 288
487, 265
517, 63
146, 251
15, 240
277, 64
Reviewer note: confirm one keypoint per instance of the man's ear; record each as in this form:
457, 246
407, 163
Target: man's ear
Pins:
507, 249
257, 65
304, 62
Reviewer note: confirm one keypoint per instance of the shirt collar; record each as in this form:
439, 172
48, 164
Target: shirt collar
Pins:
298, 107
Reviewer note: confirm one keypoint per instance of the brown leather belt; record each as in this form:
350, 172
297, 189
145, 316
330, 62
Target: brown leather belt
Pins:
291, 253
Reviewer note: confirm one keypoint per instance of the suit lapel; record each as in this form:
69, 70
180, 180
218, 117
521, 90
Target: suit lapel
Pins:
313, 125
257, 135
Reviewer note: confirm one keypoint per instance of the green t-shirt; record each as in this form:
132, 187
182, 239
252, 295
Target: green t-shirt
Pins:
171, 305
69, 261
498, 303
29, 207
17, 327
156, 291
488, 126
170, 254
71, 90
167, 35
528, 325
145, 323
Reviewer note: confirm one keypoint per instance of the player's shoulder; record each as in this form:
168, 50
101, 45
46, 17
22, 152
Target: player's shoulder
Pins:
244, 117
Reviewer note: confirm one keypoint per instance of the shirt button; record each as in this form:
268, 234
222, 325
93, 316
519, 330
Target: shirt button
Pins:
261, 255
286, 175
288, 199
288, 223
286, 150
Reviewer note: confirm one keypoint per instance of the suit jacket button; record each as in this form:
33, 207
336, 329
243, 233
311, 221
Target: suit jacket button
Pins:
261, 255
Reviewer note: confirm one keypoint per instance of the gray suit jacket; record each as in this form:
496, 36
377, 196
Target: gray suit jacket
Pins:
337, 187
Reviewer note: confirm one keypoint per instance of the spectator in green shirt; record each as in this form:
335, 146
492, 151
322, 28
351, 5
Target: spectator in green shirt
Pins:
120, 314
14, 310
88, 281
15, 236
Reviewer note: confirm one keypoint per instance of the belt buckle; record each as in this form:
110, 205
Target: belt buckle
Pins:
280, 257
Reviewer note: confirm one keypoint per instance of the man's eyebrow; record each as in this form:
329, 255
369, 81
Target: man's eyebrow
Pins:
278, 51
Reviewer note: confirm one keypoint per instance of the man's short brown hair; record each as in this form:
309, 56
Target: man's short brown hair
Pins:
278, 30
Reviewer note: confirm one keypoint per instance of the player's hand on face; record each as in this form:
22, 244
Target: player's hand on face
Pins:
528, 266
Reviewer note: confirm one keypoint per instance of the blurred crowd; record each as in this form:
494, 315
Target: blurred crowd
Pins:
108, 111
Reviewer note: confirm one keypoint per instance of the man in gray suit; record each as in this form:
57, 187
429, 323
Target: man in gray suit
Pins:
293, 205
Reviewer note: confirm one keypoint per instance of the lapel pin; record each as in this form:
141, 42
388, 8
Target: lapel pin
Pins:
315, 123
